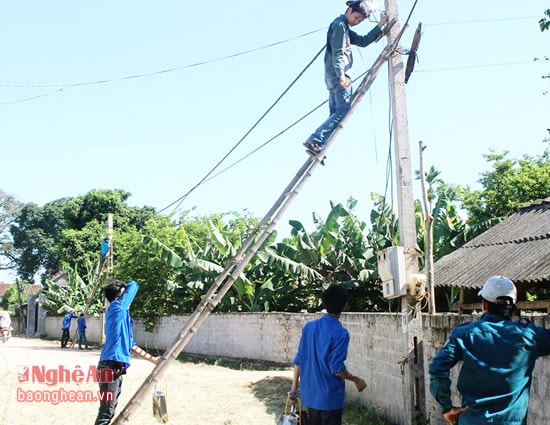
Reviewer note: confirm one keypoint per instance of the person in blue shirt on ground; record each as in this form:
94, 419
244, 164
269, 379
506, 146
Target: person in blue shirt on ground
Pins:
319, 367
119, 342
498, 355
81, 322
338, 63
65, 328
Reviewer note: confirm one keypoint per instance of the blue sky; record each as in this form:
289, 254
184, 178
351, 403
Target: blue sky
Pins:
476, 87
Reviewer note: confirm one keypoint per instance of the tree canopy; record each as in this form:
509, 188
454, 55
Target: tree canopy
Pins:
176, 259
9, 210
544, 23
510, 184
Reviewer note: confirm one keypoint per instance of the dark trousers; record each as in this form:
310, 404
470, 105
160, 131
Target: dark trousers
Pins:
82, 340
325, 417
65, 337
109, 375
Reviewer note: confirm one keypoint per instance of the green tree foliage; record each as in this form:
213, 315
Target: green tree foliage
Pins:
450, 229
175, 263
510, 184
176, 260
82, 293
69, 230
544, 23
9, 209
337, 251
12, 297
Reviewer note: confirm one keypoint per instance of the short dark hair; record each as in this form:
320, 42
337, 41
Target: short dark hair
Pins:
504, 307
112, 290
358, 6
335, 299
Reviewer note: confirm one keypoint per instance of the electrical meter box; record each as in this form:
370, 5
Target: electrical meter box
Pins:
391, 268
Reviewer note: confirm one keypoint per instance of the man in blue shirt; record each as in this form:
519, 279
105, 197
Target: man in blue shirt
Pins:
81, 322
65, 327
498, 355
338, 63
319, 363
119, 342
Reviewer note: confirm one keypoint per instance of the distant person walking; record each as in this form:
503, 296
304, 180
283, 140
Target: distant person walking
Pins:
65, 327
498, 355
82, 332
319, 368
338, 63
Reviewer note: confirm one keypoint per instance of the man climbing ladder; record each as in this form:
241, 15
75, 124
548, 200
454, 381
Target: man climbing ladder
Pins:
338, 63
250, 246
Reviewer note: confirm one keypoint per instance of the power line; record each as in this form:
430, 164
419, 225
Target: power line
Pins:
206, 177
164, 71
481, 21
27, 99
206, 62
459, 68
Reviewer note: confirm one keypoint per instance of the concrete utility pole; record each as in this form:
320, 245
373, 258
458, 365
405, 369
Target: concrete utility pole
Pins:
412, 368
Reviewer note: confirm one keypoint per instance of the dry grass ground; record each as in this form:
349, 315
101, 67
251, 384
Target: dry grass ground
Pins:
198, 390
195, 393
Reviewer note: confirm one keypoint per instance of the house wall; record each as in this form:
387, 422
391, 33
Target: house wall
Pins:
376, 352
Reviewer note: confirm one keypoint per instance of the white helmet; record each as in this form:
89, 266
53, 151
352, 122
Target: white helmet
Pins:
498, 286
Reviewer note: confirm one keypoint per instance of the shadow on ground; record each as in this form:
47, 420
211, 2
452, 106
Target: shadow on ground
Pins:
272, 392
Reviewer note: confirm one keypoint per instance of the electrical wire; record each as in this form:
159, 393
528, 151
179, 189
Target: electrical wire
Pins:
478, 21
143, 75
460, 68
27, 99
164, 71
206, 177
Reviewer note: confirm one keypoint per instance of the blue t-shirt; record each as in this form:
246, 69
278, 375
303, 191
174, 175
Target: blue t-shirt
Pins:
321, 355
105, 248
81, 324
498, 357
67, 320
119, 338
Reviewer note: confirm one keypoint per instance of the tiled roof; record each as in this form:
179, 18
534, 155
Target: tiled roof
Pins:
5, 286
518, 248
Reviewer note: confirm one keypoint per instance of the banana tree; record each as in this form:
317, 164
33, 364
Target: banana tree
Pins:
339, 252
80, 293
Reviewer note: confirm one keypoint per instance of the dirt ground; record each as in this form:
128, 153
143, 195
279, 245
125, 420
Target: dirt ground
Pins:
195, 393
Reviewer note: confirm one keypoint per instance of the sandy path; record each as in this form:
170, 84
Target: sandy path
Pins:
196, 393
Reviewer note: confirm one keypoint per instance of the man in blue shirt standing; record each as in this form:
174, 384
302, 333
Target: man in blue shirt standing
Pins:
319, 363
119, 342
498, 355
65, 327
81, 322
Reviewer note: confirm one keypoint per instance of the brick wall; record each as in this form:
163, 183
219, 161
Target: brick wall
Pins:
376, 352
